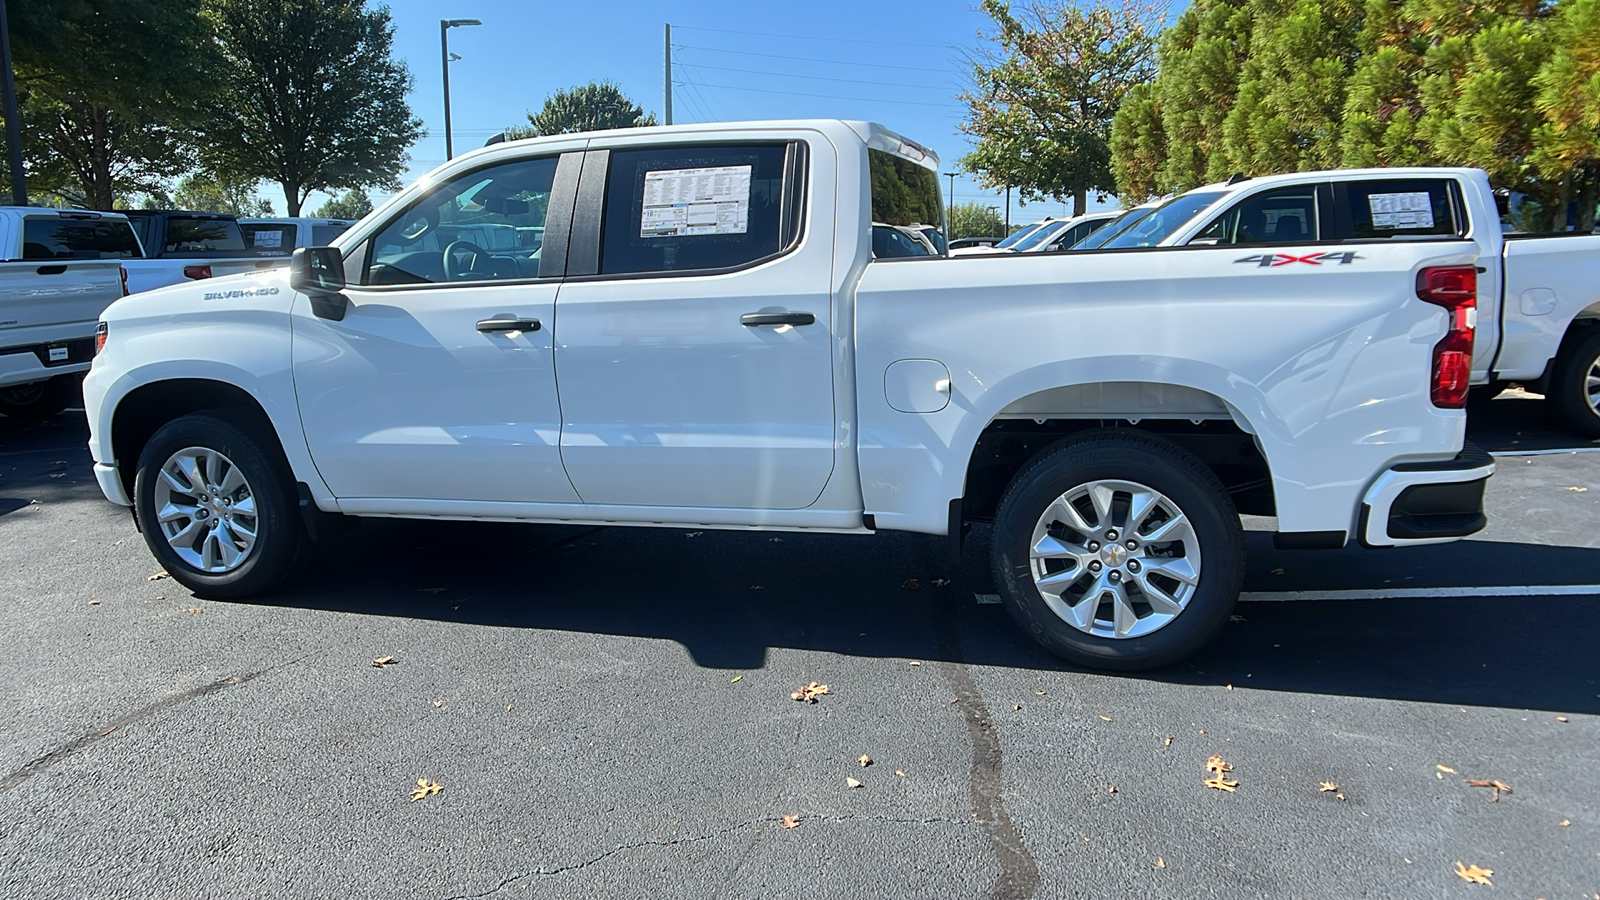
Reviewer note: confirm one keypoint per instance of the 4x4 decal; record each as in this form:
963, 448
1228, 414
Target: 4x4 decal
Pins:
1314, 259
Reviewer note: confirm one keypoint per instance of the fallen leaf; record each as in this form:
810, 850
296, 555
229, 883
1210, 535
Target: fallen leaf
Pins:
1338, 796
900, 772
911, 584
1447, 770
114, 728
192, 609
851, 783
1016, 706
1221, 784
438, 703
1328, 786
1576, 490
694, 534
939, 582
58, 474
433, 590
791, 821
1111, 789
1040, 693
1237, 619
94, 602
425, 788
158, 576
1561, 719
1230, 687
1277, 571
735, 679
809, 693
1499, 786
757, 587
60, 462
1474, 874
1218, 767
382, 661
864, 760
1167, 742
915, 663
508, 707
1565, 822
775, 540
1161, 863
1105, 718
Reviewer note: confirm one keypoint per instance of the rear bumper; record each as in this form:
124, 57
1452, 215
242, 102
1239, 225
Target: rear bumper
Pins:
30, 363
1427, 503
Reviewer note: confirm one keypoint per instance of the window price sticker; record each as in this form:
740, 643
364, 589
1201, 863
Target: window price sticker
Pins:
1404, 210
681, 202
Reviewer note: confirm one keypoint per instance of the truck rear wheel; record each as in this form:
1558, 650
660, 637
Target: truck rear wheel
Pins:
1575, 389
42, 399
217, 506
1118, 550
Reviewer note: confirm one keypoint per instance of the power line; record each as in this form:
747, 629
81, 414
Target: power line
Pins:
802, 37
692, 72
926, 87
732, 87
833, 62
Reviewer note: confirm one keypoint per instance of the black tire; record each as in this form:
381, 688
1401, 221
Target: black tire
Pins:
280, 533
42, 399
1569, 388
1148, 460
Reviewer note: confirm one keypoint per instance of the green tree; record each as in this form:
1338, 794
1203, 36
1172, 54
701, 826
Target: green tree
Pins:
596, 106
1567, 141
352, 204
313, 98
202, 192
975, 220
101, 121
1044, 96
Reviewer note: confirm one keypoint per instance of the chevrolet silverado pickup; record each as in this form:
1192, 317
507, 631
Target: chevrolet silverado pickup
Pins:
62, 269
1538, 316
189, 246
701, 337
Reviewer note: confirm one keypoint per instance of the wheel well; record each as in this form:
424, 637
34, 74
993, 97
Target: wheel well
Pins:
1229, 451
148, 407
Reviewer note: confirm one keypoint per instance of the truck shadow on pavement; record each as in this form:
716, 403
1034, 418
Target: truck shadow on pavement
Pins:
729, 597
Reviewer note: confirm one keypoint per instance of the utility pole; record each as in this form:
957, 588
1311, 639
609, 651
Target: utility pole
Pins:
952, 213
1008, 210
444, 54
19, 188
667, 81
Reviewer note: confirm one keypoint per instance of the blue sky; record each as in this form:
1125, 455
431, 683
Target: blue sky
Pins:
895, 63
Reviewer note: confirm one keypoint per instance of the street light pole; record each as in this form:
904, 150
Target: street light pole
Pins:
444, 56
19, 190
952, 213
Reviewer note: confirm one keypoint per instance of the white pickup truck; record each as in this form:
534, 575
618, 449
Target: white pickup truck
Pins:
61, 269
1538, 319
702, 338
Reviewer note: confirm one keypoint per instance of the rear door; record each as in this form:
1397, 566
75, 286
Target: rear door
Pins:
694, 331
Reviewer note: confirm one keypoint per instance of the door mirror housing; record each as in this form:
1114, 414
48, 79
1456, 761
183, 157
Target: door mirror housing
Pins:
318, 272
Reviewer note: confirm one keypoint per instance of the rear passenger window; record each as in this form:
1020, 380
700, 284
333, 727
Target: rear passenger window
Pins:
1395, 208
675, 209
51, 237
1281, 216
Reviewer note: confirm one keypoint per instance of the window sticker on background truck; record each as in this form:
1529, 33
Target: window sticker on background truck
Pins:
1265, 260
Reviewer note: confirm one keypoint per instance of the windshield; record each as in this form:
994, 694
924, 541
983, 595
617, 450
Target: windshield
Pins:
1159, 223
1038, 237
1113, 228
1011, 241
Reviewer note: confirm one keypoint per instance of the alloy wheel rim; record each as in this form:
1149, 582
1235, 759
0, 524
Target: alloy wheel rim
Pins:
1591, 385
1115, 559
206, 510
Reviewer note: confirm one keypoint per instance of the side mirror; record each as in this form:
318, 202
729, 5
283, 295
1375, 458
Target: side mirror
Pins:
318, 272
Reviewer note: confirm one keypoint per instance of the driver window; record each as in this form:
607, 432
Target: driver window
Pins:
485, 225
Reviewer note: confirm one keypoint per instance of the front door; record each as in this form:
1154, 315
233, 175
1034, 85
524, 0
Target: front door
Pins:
439, 383
694, 331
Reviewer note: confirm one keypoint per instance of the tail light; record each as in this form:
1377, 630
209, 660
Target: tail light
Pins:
197, 271
1456, 289
100, 332
124, 271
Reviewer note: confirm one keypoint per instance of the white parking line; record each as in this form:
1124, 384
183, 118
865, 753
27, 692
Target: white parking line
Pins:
1501, 453
1535, 590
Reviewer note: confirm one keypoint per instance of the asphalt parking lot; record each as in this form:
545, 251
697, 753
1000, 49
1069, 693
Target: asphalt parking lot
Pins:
608, 712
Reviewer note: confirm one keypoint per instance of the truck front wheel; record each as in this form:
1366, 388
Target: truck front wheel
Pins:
1576, 385
216, 503
1118, 550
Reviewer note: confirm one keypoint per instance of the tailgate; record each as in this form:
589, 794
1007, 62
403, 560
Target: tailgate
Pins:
36, 294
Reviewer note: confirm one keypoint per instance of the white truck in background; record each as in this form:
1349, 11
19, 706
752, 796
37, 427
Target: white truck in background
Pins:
182, 246
285, 234
62, 269
732, 355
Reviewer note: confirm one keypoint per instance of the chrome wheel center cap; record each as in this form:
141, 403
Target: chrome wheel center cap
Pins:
1113, 554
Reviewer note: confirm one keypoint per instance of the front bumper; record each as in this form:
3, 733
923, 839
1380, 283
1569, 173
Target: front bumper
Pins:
111, 484
1427, 503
